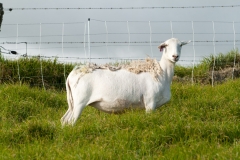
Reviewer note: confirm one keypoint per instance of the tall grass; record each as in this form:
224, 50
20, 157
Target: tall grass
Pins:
28, 70
223, 60
202, 71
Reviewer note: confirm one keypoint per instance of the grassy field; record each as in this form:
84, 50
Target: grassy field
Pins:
200, 122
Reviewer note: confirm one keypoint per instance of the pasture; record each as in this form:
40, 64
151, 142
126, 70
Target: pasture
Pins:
200, 122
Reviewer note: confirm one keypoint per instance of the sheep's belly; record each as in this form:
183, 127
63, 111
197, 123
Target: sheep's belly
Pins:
117, 106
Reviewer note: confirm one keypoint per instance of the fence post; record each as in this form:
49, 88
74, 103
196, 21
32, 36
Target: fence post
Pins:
64, 67
150, 37
1, 14
89, 47
84, 41
234, 48
214, 49
193, 53
40, 58
129, 39
18, 69
171, 28
107, 40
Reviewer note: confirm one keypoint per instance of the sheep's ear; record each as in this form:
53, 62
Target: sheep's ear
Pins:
184, 43
161, 46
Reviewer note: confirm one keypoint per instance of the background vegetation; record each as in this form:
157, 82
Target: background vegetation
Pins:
28, 71
200, 122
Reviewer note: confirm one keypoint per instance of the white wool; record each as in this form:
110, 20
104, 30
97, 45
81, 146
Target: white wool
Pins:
148, 65
140, 84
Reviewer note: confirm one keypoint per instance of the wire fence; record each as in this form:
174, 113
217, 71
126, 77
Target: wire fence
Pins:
102, 41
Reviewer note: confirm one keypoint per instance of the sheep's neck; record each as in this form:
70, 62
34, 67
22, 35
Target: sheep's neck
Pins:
168, 69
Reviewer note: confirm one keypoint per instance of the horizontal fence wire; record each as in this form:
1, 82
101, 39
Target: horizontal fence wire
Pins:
123, 42
27, 24
125, 8
98, 34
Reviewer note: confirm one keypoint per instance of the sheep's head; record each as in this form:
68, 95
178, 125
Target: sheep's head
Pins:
172, 49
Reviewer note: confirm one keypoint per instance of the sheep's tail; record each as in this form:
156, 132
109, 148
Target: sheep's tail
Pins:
68, 116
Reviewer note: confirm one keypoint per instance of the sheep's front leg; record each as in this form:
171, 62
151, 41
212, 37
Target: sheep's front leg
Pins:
150, 106
152, 103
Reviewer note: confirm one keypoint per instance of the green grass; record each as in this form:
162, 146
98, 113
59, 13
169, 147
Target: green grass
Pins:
200, 122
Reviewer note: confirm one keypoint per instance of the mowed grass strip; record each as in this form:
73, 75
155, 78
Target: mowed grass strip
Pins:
200, 122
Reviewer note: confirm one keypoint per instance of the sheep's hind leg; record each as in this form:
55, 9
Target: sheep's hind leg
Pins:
76, 113
66, 117
71, 116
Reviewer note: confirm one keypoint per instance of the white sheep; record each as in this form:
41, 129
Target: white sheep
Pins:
115, 91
